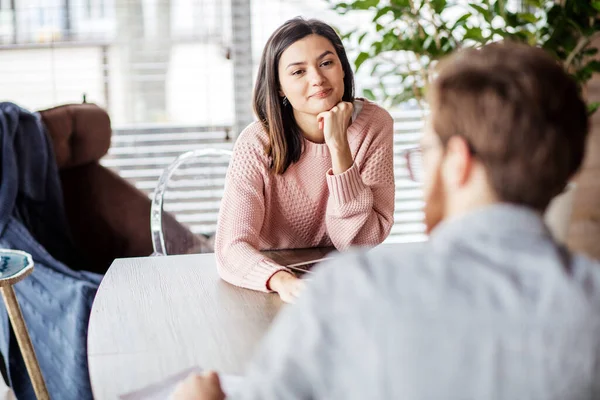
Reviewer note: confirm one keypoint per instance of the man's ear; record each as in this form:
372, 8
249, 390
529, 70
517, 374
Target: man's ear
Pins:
459, 161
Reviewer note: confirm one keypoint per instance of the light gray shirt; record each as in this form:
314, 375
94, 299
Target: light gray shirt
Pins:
489, 308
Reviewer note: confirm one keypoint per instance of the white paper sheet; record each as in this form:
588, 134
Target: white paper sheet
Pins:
163, 390
306, 266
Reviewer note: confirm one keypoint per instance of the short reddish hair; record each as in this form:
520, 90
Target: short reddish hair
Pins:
521, 114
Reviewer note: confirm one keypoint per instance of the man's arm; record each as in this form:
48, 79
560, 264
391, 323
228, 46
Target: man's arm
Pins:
292, 360
297, 357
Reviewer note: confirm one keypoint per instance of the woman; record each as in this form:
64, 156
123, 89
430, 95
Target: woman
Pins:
316, 170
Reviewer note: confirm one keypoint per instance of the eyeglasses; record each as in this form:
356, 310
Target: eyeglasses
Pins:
414, 161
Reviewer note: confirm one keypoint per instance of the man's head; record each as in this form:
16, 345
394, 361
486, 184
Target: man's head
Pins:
507, 124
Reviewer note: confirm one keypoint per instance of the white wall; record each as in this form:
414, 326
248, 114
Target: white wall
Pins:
41, 78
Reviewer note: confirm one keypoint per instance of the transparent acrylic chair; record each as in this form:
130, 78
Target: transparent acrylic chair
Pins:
186, 201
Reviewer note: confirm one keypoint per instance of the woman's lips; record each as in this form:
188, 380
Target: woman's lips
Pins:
322, 94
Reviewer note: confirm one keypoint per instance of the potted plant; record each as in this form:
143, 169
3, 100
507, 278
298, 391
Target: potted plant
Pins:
408, 37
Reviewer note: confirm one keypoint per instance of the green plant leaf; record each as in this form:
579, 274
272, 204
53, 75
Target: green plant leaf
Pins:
368, 93
512, 20
342, 8
583, 75
403, 97
362, 37
364, 4
375, 68
534, 3
376, 48
474, 34
390, 42
401, 3
593, 66
592, 108
461, 21
500, 8
427, 42
438, 5
447, 47
381, 13
349, 34
406, 26
528, 17
360, 59
485, 13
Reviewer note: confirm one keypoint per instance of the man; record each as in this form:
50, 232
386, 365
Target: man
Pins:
491, 307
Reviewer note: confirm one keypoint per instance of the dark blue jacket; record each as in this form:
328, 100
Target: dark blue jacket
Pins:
55, 300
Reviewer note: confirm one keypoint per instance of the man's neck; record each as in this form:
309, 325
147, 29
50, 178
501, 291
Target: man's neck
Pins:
475, 193
467, 202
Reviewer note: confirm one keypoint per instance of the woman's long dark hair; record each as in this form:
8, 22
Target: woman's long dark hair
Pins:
285, 138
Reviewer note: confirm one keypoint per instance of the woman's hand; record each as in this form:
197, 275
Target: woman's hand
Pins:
199, 387
288, 286
334, 124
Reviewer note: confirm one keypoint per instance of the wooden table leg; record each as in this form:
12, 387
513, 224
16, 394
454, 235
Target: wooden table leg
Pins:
18, 324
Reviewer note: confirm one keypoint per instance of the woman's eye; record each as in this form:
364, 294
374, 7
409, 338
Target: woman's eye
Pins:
326, 63
298, 72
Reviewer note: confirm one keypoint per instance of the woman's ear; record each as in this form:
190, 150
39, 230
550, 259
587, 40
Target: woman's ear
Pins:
281, 94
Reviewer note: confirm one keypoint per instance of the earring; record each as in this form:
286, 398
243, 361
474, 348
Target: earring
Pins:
285, 101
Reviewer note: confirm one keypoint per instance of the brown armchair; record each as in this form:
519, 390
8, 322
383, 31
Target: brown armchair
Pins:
108, 216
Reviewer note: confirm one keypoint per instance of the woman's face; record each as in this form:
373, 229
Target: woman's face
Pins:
311, 75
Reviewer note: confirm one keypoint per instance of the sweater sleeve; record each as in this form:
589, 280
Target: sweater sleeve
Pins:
240, 221
360, 208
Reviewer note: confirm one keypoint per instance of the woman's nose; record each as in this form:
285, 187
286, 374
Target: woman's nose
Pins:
316, 77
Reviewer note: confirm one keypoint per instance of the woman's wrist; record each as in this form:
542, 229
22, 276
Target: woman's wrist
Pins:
339, 148
278, 279
341, 159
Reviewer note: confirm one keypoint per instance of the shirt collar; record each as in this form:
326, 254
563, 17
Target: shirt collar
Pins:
498, 220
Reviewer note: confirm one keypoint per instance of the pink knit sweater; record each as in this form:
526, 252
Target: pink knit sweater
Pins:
307, 206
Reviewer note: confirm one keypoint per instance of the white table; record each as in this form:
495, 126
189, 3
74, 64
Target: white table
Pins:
156, 316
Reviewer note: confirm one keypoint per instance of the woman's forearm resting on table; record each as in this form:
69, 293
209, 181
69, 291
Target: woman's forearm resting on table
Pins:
246, 267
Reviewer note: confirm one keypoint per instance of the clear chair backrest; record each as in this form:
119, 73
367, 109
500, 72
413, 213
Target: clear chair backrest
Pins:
186, 202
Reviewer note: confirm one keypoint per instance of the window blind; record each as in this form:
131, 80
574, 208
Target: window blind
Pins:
163, 69
140, 154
